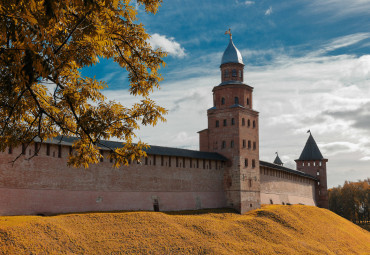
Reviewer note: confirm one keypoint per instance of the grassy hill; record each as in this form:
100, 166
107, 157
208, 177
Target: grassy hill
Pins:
270, 230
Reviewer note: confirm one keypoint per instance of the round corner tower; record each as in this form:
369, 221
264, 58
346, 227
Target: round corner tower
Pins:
313, 163
233, 132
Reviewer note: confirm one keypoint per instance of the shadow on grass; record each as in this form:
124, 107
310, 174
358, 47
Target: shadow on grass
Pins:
364, 226
202, 211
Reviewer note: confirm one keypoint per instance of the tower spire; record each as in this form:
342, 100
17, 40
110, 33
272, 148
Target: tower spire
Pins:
277, 160
311, 151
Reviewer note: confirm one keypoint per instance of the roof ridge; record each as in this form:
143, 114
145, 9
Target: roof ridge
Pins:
286, 169
153, 149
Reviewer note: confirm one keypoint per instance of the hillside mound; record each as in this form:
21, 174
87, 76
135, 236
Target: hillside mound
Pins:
273, 229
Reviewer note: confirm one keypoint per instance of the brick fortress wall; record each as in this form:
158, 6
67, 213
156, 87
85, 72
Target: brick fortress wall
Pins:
46, 185
279, 187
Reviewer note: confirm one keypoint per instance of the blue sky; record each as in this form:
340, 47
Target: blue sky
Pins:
308, 61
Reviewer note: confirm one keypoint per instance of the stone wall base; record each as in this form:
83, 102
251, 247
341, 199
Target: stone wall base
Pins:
48, 202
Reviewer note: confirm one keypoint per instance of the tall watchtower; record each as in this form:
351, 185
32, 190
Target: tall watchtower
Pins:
313, 163
233, 132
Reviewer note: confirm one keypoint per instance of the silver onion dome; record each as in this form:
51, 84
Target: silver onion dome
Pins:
231, 54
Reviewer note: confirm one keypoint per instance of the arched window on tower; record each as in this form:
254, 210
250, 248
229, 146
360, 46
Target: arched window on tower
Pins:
223, 100
234, 72
226, 73
254, 124
243, 122
236, 100
247, 101
249, 123
240, 73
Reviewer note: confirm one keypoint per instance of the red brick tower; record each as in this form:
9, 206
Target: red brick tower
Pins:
233, 132
313, 163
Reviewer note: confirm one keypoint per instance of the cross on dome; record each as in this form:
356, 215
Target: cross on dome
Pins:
229, 32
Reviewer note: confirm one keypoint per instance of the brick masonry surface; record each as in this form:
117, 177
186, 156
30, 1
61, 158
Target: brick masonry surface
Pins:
46, 185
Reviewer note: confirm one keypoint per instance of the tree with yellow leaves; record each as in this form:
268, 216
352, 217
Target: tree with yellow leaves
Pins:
44, 44
352, 200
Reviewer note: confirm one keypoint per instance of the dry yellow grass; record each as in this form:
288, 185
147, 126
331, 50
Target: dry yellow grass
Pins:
273, 229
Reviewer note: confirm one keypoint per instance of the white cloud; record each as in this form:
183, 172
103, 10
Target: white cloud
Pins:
365, 158
167, 44
268, 11
346, 41
186, 102
340, 8
295, 94
335, 148
249, 2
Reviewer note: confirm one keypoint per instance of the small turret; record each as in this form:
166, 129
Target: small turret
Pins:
277, 160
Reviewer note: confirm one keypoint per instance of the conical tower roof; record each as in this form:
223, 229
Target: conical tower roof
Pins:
311, 150
277, 160
231, 54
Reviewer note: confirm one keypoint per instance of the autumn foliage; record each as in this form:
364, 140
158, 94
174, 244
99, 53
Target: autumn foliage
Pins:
351, 201
43, 46
274, 229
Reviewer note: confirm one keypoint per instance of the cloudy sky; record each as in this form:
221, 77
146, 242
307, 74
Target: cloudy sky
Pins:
308, 61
